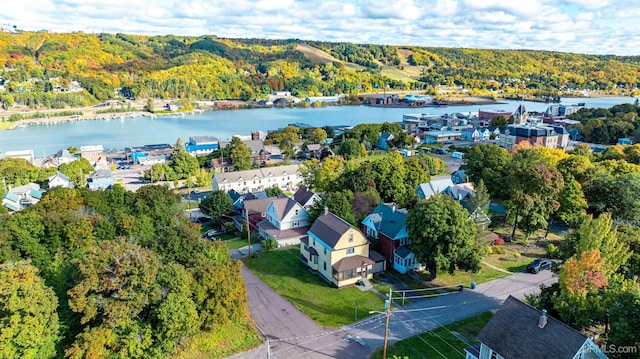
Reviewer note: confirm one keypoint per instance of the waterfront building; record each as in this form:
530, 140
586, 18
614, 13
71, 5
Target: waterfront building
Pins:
24, 154
202, 145
92, 153
532, 130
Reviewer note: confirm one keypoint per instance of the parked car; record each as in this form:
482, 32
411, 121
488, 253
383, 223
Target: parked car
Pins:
538, 264
214, 233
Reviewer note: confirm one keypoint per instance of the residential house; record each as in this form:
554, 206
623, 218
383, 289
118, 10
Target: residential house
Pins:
238, 198
338, 251
286, 221
18, 198
383, 140
312, 150
305, 197
470, 134
256, 211
25, 155
520, 331
286, 178
461, 192
426, 190
388, 225
101, 179
258, 153
59, 180
63, 156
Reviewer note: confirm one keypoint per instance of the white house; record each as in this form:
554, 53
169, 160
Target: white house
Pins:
286, 221
59, 180
286, 178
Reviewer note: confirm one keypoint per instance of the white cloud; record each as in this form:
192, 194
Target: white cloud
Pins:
593, 26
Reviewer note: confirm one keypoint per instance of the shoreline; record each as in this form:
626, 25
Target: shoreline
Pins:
455, 102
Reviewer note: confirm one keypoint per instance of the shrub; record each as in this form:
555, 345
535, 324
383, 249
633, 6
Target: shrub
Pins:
516, 255
498, 250
488, 250
269, 244
553, 251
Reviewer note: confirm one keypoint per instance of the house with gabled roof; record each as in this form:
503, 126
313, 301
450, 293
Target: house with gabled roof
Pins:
286, 178
520, 331
305, 197
255, 210
237, 198
286, 221
101, 179
388, 225
59, 179
426, 190
337, 251
20, 197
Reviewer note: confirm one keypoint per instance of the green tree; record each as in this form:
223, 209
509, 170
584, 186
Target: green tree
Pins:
350, 148
338, 203
317, 135
149, 106
28, 319
572, 203
489, 163
443, 237
499, 121
240, 154
481, 199
624, 316
321, 176
183, 164
216, 204
77, 171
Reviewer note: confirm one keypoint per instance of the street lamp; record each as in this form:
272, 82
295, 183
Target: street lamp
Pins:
387, 313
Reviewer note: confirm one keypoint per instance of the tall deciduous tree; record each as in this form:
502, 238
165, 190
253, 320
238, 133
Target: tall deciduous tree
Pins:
443, 237
28, 319
481, 197
624, 316
339, 203
216, 204
489, 163
240, 154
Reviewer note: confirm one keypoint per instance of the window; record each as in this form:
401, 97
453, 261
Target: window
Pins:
315, 259
350, 237
324, 265
350, 250
263, 214
325, 251
402, 241
297, 211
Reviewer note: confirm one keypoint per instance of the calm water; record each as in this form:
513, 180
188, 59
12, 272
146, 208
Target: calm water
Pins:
118, 134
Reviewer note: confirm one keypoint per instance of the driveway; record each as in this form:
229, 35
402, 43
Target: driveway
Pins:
292, 334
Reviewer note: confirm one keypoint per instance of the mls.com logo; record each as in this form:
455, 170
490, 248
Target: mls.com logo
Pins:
620, 349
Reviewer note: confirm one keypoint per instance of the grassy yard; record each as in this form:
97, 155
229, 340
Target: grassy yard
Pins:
444, 342
328, 306
234, 242
485, 274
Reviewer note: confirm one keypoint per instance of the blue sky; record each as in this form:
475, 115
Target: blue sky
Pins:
581, 26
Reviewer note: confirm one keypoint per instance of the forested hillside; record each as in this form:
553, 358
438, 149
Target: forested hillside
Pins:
38, 68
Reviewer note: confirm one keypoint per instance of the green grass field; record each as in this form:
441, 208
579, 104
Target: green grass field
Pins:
444, 342
328, 306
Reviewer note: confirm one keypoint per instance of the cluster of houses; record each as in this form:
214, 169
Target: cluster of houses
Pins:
547, 130
330, 246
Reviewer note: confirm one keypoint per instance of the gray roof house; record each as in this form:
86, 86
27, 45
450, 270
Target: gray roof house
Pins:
59, 179
101, 179
520, 331
305, 197
426, 190
286, 178
286, 221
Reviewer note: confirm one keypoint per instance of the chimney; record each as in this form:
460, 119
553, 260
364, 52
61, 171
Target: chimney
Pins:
326, 210
543, 319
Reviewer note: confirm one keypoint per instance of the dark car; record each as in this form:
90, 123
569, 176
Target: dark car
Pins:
214, 233
538, 265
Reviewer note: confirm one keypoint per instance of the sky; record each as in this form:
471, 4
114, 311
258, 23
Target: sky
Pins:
578, 26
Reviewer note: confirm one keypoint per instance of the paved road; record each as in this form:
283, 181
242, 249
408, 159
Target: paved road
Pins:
292, 334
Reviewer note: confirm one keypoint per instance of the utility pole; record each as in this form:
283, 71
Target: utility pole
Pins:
386, 326
246, 212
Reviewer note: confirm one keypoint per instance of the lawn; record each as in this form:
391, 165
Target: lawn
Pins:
444, 342
328, 306
234, 242
485, 274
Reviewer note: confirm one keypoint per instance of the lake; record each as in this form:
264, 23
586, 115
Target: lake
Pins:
118, 134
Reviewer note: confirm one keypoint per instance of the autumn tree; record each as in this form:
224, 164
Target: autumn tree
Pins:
28, 319
443, 237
